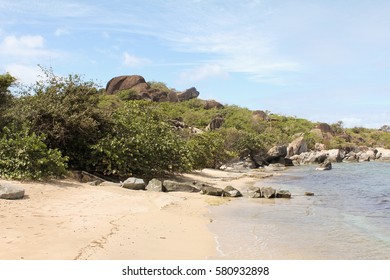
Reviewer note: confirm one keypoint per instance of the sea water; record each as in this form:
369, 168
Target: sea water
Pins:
347, 218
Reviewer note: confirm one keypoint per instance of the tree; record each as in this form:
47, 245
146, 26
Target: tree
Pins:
6, 81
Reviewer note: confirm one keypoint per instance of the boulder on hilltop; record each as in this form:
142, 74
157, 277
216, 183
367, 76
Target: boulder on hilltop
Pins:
141, 90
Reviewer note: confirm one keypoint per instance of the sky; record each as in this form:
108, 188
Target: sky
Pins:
325, 61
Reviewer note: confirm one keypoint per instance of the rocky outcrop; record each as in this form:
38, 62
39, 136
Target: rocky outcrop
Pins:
297, 147
133, 184
120, 83
8, 191
188, 94
172, 186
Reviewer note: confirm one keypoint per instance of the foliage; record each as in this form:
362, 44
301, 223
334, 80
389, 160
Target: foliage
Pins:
141, 143
159, 86
6, 81
208, 150
24, 155
66, 111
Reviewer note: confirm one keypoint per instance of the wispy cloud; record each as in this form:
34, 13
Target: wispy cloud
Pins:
131, 60
204, 72
27, 46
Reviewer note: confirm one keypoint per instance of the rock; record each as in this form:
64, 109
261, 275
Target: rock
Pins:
8, 191
210, 104
326, 165
383, 154
260, 115
232, 192
85, 177
297, 147
209, 190
215, 123
277, 152
268, 192
135, 82
133, 184
325, 128
188, 94
155, 185
319, 146
283, 194
363, 156
309, 193
172, 186
350, 157
335, 155
253, 192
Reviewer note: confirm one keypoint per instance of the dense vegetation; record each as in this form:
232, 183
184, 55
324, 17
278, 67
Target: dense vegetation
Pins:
65, 123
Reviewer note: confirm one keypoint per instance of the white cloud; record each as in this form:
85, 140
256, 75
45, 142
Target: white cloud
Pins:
61, 31
134, 61
204, 72
25, 74
24, 46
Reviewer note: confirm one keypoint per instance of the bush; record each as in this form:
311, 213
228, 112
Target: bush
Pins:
141, 143
66, 110
24, 155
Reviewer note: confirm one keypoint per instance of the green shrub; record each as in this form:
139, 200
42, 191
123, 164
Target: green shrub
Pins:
141, 143
24, 155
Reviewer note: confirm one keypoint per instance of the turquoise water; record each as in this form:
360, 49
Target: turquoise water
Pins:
348, 218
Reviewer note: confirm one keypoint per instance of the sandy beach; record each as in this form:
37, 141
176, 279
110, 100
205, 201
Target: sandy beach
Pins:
67, 220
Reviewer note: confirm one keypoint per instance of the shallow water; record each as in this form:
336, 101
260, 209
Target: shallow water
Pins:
348, 218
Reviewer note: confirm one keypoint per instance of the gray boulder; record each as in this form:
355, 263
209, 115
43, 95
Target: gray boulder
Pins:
8, 191
253, 192
297, 147
172, 186
209, 190
277, 151
232, 192
326, 165
283, 194
155, 185
133, 184
215, 123
268, 192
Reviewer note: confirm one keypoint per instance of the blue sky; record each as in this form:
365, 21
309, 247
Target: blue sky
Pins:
321, 60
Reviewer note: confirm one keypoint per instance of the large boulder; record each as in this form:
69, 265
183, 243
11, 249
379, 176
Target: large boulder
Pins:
133, 184
277, 152
8, 191
335, 155
188, 94
260, 115
297, 147
119, 83
283, 194
172, 186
